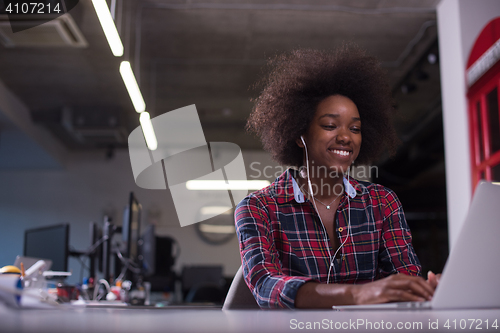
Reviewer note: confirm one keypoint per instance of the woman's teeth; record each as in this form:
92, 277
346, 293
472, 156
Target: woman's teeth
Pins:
341, 152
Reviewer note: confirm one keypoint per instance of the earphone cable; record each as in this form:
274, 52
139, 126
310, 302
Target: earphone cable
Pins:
324, 229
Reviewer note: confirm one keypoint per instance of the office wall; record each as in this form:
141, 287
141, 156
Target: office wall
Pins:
91, 186
459, 24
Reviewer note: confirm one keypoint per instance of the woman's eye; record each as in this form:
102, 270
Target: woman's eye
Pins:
329, 127
356, 130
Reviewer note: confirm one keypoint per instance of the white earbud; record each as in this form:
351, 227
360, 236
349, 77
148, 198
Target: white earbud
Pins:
307, 167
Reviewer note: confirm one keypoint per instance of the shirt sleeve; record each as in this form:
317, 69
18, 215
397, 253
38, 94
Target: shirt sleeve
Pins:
396, 254
260, 260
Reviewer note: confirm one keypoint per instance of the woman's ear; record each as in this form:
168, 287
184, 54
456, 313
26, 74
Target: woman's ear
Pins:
299, 142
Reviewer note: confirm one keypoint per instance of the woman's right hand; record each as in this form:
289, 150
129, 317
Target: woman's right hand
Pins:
394, 288
433, 279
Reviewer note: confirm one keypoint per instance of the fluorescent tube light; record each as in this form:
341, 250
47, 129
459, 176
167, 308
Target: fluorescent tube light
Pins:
215, 210
108, 25
132, 87
217, 229
222, 185
147, 129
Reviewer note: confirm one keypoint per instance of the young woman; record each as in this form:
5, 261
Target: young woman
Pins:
316, 237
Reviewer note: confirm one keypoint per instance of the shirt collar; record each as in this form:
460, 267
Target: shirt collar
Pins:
349, 189
297, 193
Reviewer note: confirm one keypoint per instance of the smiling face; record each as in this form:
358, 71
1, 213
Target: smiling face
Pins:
333, 138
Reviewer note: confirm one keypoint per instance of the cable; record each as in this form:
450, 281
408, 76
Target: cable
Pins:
98, 286
95, 245
348, 228
315, 207
319, 215
122, 273
128, 263
83, 266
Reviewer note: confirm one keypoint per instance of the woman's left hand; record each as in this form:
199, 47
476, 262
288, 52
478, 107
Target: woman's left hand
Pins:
433, 279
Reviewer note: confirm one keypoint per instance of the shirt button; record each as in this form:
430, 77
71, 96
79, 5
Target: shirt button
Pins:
341, 229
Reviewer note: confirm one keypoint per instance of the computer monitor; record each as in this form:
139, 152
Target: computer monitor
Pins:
95, 253
158, 255
148, 251
49, 243
131, 229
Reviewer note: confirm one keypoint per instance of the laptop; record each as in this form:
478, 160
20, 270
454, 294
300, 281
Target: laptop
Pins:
470, 276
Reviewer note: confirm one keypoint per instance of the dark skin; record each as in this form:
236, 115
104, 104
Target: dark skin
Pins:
333, 140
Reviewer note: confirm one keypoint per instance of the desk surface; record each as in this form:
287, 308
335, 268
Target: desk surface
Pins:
215, 320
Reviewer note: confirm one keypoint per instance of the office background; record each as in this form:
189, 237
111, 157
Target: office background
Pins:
210, 54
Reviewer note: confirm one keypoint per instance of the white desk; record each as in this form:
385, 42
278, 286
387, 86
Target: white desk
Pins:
216, 320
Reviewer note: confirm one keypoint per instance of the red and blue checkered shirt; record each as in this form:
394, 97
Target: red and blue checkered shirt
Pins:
283, 244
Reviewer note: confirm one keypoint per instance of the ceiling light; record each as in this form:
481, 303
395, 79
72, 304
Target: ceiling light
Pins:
217, 229
132, 87
215, 210
222, 185
115, 43
432, 58
147, 129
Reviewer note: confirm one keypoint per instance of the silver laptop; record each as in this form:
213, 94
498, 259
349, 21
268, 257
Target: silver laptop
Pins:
470, 276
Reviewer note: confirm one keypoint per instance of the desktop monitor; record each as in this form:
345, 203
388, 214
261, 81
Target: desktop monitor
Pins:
157, 257
95, 253
49, 243
158, 254
131, 229
148, 251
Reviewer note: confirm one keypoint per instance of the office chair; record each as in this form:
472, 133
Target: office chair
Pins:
239, 296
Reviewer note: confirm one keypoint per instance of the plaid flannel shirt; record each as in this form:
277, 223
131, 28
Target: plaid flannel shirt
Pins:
283, 244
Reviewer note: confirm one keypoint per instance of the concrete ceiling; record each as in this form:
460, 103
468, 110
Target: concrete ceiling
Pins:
210, 53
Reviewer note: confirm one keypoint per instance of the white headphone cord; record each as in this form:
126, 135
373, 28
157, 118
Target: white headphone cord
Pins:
324, 229
348, 232
314, 201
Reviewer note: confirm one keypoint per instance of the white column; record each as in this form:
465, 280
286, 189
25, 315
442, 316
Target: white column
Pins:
459, 24
455, 121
